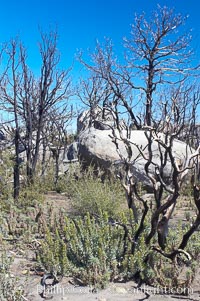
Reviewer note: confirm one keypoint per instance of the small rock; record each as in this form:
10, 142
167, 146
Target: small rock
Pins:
120, 290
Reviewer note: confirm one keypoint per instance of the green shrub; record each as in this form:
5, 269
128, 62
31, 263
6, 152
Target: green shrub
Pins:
90, 194
6, 174
30, 196
9, 286
96, 251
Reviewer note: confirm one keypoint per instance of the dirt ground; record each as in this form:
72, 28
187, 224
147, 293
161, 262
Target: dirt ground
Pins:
67, 290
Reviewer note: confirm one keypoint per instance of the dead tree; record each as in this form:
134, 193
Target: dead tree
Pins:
10, 89
53, 87
57, 140
157, 56
30, 99
94, 95
166, 190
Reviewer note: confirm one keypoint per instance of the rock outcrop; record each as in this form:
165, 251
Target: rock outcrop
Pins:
99, 119
96, 147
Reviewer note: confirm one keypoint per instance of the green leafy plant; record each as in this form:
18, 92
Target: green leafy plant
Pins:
96, 250
10, 290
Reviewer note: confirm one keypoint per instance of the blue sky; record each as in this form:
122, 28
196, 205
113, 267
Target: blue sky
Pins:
81, 22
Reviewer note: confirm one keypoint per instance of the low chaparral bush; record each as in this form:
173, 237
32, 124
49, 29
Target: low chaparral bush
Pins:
97, 251
89, 249
90, 194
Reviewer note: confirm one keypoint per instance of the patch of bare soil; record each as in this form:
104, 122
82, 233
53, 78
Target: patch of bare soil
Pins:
66, 289
58, 201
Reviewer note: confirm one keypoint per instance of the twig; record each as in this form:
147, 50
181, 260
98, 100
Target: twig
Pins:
24, 298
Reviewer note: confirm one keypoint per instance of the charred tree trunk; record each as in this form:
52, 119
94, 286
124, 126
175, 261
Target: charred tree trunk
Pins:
56, 168
44, 159
37, 144
16, 187
29, 171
